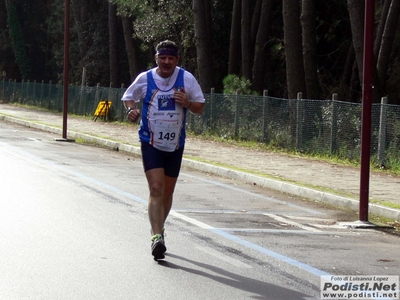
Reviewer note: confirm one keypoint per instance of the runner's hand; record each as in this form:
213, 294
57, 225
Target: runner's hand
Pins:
182, 98
133, 115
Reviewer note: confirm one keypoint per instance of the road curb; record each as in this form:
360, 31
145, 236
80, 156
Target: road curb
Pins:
264, 182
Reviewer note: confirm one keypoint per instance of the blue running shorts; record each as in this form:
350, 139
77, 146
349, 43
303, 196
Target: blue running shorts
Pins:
153, 158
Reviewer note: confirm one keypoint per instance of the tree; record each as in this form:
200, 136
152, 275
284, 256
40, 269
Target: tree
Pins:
344, 89
147, 23
261, 49
132, 48
7, 57
356, 13
203, 36
388, 37
381, 27
91, 47
280, 46
234, 44
309, 39
17, 40
383, 42
129, 12
221, 18
255, 22
246, 39
113, 44
293, 49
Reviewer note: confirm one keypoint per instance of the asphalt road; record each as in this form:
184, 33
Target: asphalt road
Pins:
73, 225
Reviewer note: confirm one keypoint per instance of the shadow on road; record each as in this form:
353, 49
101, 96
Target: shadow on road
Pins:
261, 290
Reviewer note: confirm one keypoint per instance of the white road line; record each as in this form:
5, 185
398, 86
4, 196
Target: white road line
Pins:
289, 231
190, 220
284, 220
311, 219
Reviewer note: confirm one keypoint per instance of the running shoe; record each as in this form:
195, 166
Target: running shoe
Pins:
163, 234
158, 247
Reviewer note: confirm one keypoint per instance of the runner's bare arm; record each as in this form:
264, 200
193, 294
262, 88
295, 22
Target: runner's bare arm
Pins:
182, 98
131, 113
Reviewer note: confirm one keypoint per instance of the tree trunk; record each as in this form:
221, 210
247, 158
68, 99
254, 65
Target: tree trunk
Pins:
356, 12
246, 40
79, 15
345, 82
209, 22
293, 49
234, 44
381, 27
388, 37
255, 21
261, 50
132, 50
202, 27
113, 44
308, 18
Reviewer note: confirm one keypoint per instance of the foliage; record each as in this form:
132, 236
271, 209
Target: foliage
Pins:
38, 43
55, 34
32, 44
17, 41
155, 21
233, 84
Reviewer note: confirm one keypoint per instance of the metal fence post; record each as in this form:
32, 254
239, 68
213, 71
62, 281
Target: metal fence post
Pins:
334, 112
49, 99
60, 96
27, 96
21, 97
264, 116
237, 114
41, 92
97, 96
87, 95
211, 110
34, 93
14, 90
299, 121
4, 79
27, 91
122, 110
382, 132
9, 90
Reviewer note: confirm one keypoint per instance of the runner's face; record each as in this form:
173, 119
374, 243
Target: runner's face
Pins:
166, 64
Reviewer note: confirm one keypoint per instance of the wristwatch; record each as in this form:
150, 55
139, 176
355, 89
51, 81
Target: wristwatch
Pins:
129, 110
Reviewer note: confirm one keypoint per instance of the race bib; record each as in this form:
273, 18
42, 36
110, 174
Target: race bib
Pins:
166, 133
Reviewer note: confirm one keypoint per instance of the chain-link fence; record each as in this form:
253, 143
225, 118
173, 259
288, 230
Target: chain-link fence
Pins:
82, 100
323, 127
